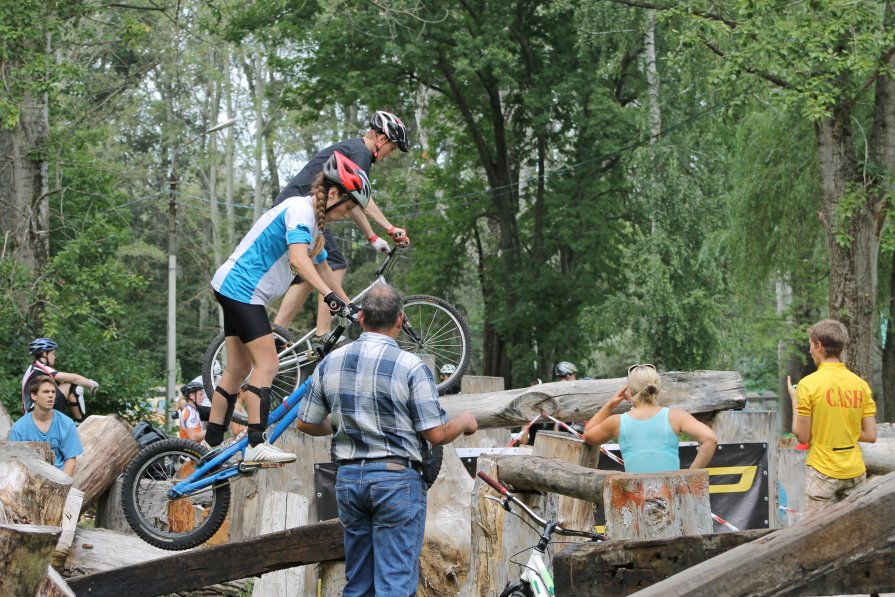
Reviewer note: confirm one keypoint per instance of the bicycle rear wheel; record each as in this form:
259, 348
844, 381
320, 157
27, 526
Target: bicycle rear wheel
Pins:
160, 521
284, 383
434, 328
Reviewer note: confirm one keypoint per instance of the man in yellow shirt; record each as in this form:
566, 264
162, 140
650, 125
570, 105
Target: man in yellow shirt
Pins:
833, 411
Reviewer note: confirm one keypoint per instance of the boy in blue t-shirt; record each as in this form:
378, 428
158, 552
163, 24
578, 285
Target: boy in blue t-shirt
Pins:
43, 424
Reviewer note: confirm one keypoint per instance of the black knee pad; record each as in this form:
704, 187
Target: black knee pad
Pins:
214, 434
231, 405
256, 434
264, 407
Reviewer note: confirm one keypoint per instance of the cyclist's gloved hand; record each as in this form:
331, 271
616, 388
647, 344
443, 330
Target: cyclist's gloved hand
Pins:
94, 386
334, 303
399, 236
354, 309
378, 244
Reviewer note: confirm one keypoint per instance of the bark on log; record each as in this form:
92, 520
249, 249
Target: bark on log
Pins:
668, 504
793, 557
70, 515
108, 448
697, 392
541, 474
202, 567
880, 456
53, 585
32, 491
25, 552
617, 568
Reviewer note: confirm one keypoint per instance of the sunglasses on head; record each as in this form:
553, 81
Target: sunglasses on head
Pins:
632, 367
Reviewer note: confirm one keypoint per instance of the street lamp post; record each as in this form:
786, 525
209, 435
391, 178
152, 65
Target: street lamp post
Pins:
171, 350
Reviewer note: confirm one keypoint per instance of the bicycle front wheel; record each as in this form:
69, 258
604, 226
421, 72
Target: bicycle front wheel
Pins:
285, 382
434, 330
160, 521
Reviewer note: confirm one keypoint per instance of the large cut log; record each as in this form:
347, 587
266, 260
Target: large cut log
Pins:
282, 510
753, 427
573, 512
791, 558
70, 515
203, 567
100, 550
32, 491
697, 392
617, 568
40, 449
25, 552
541, 474
444, 561
498, 536
667, 504
880, 456
53, 585
108, 448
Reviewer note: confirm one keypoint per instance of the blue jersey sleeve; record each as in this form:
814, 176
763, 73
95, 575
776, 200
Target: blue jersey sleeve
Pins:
300, 235
321, 257
70, 446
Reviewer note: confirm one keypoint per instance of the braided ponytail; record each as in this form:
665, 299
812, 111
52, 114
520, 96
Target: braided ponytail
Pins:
319, 194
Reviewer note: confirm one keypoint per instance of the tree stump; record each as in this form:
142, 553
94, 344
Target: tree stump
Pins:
25, 552
109, 513
282, 510
650, 506
791, 484
573, 513
53, 585
40, 449
108, 448
32, 491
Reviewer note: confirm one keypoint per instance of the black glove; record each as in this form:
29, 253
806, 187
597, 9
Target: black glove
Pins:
335, 304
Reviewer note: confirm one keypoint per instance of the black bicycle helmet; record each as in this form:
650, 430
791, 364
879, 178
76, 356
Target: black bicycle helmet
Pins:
39, 346
190, 387
563, 368
339, 169
391, 126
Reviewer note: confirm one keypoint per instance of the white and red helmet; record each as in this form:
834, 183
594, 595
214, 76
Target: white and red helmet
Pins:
391, 126
348, 176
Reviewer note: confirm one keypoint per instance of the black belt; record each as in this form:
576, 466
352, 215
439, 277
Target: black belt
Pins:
384, 459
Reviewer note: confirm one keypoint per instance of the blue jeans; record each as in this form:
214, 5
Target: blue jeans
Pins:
384, 515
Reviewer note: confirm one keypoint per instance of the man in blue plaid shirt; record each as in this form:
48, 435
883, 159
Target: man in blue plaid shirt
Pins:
375, 399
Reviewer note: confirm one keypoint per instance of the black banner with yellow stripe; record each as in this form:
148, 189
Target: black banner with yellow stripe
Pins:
738, 483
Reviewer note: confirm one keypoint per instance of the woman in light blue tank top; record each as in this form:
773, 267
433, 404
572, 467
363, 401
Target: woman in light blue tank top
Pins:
648, 433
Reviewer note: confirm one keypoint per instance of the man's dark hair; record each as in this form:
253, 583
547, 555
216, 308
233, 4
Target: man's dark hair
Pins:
39, 381
381, 305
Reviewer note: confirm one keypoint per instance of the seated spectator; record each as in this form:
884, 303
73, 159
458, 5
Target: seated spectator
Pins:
44, 424
648, 433
69, 392
190, 422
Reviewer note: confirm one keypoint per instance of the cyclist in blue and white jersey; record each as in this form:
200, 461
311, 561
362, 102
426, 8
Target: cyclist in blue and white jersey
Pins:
285, 241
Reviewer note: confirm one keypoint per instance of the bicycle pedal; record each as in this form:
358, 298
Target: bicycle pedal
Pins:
254, 466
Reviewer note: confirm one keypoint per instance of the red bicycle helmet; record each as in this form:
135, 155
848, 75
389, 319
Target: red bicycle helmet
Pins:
349, 177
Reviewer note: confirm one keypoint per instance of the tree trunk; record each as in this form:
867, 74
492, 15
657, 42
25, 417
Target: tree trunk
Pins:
229, 153
25, 209
851, 218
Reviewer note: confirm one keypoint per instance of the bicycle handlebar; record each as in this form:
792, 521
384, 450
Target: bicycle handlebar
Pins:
509, 497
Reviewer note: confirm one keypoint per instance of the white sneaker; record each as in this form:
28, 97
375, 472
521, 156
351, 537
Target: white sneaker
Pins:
266, 453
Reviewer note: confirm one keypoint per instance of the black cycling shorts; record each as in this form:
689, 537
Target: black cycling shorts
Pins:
334, 256
243, 319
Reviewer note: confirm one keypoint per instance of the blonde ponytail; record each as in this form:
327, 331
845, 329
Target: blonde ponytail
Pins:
319, 195
644, 381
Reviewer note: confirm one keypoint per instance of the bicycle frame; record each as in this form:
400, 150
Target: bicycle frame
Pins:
282, 416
